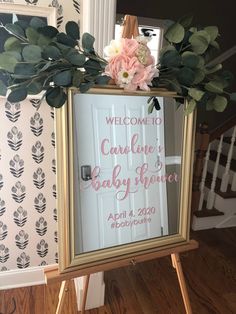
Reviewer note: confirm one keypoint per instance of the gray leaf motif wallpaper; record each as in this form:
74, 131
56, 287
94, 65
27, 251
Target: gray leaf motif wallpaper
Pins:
28, 214
28, 217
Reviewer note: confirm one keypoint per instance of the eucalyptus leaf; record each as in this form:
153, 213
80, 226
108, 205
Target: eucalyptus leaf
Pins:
214, 69
32, 53
190, 107
25, 69
151, 107
214, 87
37, 22
175, 33
34, 88
103, 79
193, 29
166, 48
48, 31
66, 40
77, 78
14, 54
186, 21
190, 59
76, 59
212, 31
200, 41
32, 35
233, 96
63, 78
55, 97
195, 93
72, 29
201, 64
84, 87
3, 88
17, 94
92, 67
51, 52
170, 58
199, 76
220, 103
186, 76
22, 23
7, 62
87, 42
215, 45
175, 85
15, 29
12, 44
43, 41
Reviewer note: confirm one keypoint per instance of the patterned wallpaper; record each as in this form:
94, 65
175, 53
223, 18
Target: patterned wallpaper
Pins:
28, 214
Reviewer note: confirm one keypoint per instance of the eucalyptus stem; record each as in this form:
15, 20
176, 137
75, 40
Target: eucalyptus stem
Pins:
15, 35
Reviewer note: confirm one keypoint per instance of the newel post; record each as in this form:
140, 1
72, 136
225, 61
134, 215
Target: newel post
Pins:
202, 142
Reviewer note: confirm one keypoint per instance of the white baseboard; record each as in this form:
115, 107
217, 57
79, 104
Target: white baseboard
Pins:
18, 278
32, 276
224, 221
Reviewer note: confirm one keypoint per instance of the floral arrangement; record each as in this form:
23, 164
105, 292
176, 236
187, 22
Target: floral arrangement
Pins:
130, 63
38, 58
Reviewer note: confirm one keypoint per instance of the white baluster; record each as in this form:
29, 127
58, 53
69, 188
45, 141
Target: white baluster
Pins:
211, 194
225, 178
204, 172
233, 186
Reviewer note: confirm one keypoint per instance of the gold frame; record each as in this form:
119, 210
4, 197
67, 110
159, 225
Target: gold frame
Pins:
123, 254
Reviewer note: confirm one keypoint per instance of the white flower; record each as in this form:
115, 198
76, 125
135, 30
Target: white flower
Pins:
113, 49
124, 77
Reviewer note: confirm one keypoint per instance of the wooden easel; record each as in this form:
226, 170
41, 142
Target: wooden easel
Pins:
130, 29
53, 275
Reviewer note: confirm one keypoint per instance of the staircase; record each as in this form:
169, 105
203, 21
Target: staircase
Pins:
214, 179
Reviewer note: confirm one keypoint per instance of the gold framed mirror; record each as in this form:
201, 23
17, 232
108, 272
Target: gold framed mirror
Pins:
123, 177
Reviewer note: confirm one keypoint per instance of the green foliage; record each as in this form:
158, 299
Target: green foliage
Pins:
184, 68
38, 57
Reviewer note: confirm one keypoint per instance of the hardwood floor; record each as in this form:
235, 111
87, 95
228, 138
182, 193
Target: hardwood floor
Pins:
152, 287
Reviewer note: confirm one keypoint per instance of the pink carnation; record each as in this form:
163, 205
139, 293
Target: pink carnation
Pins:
121, 62
129, 46
144, 76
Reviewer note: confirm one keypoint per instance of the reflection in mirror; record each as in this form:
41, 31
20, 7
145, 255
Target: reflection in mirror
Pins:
126, 170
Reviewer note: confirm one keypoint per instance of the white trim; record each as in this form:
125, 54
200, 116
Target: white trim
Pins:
48, 12
18, 278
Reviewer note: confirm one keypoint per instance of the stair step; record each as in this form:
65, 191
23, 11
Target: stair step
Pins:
208, 213
228, 194
223, 160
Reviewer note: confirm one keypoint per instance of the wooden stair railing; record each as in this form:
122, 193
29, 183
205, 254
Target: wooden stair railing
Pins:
204, 139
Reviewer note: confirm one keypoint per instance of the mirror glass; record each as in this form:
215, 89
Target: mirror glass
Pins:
127, 169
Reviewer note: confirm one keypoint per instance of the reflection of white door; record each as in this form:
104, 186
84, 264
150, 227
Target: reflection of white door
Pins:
124, 146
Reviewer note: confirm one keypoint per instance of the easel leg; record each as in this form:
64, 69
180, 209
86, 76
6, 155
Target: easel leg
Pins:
177, 265
63, 289
86, 284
